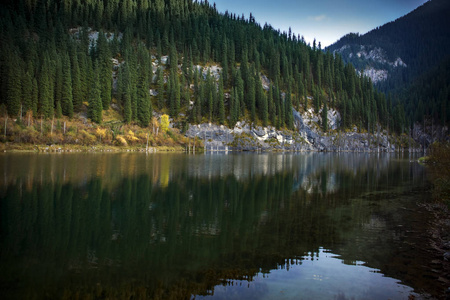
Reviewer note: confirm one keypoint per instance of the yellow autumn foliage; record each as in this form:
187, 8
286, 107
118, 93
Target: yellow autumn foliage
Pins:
164, 123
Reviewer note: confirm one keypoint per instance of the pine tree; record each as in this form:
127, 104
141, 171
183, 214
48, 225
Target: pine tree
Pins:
264, 108
174, 95
67, 98
45, 91
325, 117
221, 102
14, 91
95, 101
57, 80
234, 109
144, 103
160, 87
272, 107
251, 98
105, 69
289, 119
27, 88
77, 93
34, 97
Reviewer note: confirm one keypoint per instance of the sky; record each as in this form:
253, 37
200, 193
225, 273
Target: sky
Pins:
324, 20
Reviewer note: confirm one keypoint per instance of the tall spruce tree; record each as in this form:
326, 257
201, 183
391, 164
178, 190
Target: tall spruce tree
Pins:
105, 69
14, 91
325, 117
67, 97
144, 101
221, 101
95, 100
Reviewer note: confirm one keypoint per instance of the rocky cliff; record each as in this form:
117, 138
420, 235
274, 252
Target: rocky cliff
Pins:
307, 136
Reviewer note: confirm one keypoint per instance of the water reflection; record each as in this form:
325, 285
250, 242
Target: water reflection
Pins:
314, 277
172, 226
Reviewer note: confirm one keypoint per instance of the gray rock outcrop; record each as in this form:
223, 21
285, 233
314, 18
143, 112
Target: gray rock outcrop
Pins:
307, 136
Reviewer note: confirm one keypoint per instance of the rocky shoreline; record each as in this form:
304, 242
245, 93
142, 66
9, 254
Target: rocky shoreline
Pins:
306, 137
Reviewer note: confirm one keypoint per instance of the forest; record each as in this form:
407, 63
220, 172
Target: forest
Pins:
52, 68
421, 39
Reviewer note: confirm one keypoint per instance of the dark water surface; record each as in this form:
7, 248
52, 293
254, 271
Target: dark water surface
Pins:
237, 226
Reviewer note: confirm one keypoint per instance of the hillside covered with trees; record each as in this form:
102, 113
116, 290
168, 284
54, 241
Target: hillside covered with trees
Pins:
52, 67
421, 39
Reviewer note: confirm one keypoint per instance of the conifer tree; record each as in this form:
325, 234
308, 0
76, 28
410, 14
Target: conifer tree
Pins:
144, 102
34, 97
174, 95
67, 97
325, 117
14, 87
77, 93
234, 109
221, 102
95, 101
105, 68
45, 91
160, 87
57, 83
264, 108
27, 88
272, 107
251, 98
289, 119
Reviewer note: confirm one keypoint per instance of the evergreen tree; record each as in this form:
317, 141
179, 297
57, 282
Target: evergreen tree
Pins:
77, 93
67, 98
160, 87
45, 91
251, 98
325, 117
272, 107
105, 69
221, 100
27, 91
57, 83
34, 97
144, 103
234, 110
289, 119
14, 91
95, 101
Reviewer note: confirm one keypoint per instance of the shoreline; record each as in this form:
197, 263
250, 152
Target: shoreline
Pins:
30, 148
71, 148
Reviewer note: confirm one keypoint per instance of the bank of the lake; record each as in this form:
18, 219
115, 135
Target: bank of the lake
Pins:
438, 165
55, 148
80, 134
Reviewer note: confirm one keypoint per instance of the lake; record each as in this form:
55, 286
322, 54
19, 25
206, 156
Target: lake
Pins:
213, 226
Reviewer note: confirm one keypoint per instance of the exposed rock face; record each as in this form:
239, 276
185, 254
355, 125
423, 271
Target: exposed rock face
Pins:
376, 75
373, 61
214, 71
307, 137
428, 134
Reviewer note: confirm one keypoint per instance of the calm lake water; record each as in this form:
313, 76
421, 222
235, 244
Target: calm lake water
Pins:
236, 226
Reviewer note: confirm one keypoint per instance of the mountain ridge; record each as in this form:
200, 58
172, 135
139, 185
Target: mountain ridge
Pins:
412, 38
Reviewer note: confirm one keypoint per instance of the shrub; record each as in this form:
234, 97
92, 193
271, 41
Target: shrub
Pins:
121, 140
88, 138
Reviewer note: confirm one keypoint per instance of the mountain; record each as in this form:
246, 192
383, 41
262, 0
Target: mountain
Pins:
397, 53
65, 59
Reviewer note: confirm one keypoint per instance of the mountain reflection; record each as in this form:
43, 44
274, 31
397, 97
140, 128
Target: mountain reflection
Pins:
163, 226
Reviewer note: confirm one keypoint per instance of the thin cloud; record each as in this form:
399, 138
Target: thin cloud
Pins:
318, 18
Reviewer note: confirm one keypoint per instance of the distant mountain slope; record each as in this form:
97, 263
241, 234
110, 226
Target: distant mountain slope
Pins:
398, 52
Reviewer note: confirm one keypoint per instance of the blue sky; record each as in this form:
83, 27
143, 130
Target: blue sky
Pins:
324, 20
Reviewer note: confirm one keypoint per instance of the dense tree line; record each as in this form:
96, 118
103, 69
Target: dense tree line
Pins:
429, 95
421, 39
51, 66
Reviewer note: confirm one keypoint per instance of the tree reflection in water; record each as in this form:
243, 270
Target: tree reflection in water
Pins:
172, 226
